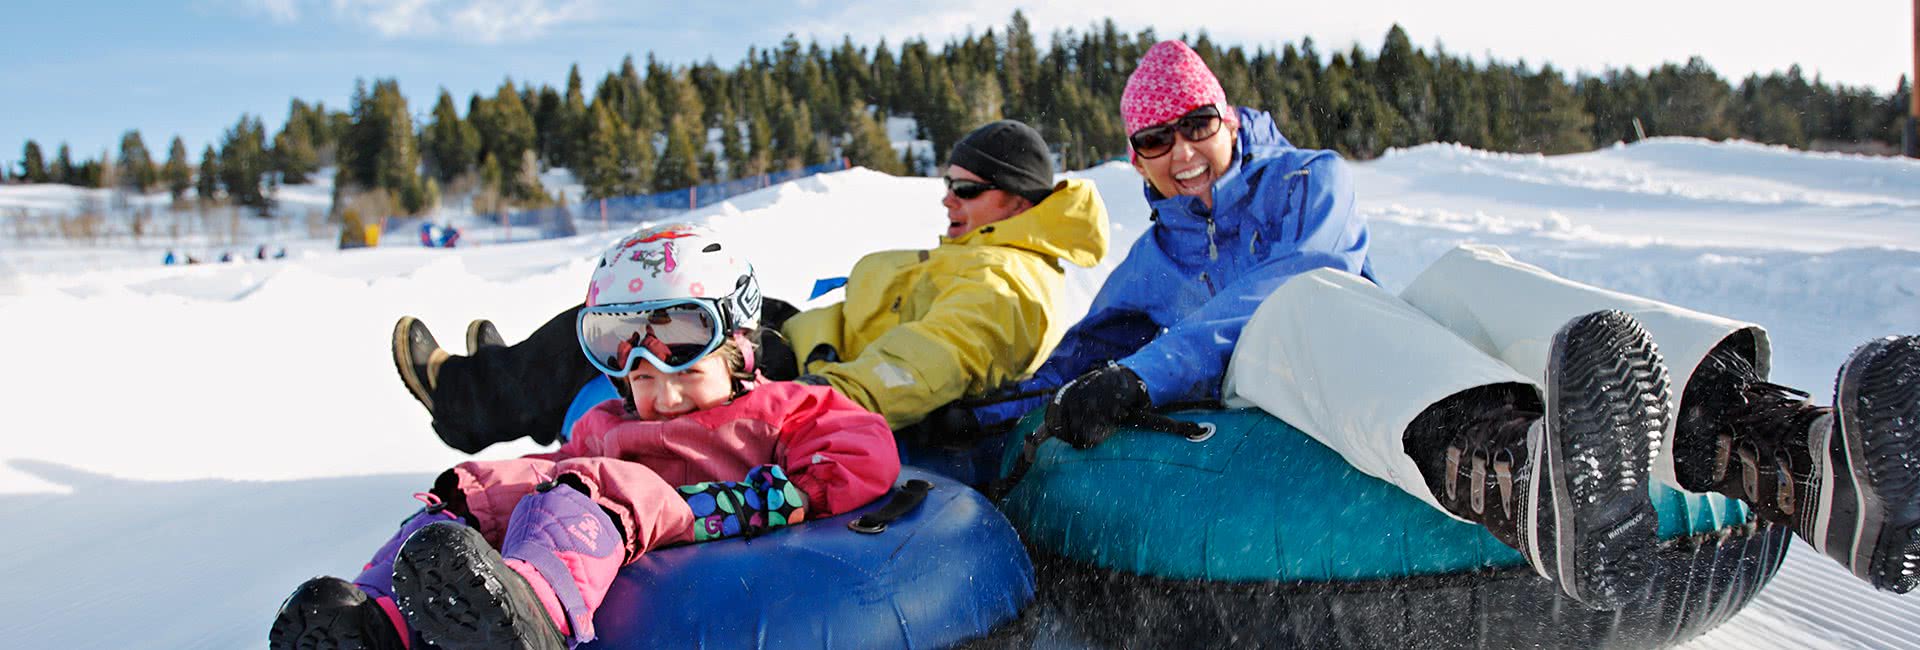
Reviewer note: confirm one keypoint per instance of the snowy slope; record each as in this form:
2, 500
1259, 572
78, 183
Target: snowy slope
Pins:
179, 446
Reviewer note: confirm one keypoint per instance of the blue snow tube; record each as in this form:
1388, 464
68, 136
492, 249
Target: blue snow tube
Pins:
597, 390
1262, 535
949, 571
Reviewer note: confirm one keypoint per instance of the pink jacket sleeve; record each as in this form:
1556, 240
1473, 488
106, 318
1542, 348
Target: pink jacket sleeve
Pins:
590, 431
843, 456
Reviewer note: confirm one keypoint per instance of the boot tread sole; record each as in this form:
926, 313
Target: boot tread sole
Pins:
1610, 401
456, 593
310, 619
1882, 382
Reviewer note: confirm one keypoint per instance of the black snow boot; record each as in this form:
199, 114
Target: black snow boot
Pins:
507, 392
418, 358
457, 593
1846, 478
1564, 482
482, 334
331, 614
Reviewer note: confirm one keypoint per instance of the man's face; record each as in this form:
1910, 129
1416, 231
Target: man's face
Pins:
965, 215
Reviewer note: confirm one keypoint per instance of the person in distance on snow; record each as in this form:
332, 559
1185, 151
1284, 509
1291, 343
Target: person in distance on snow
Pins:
483, 565
1489, 388
918, 328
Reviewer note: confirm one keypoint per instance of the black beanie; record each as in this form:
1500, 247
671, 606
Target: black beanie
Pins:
1009, 154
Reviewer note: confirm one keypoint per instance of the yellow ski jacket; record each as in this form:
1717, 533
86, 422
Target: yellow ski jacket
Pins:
920, 328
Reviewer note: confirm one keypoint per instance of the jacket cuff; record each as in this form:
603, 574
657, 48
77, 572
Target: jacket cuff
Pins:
1165, 381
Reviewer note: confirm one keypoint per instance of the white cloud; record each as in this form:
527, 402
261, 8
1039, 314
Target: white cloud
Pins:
480, 21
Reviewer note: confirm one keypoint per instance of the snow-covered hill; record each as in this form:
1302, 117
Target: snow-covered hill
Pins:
179, 446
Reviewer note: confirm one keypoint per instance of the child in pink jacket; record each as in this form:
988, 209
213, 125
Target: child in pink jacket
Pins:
696, 449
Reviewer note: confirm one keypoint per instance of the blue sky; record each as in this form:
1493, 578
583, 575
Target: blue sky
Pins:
86, 71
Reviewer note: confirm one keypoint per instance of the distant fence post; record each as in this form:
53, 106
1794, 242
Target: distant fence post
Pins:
693, 193
506, 223
1912, 133
603, 215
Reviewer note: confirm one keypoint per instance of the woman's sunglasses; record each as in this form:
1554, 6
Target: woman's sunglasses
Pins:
967, 190
1155, 141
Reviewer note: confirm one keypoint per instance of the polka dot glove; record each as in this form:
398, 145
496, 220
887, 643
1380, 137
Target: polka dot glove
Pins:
764, 500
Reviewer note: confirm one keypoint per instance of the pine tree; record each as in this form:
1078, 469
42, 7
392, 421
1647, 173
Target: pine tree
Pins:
1694, 101
574, 123
883, 80
1459, 114
207, 181
33, 167
244, 161
178, 172
1557, 122
1020, 67
449, 145
491, 176
791, 134
549, 127
636, 162
135, 165
293, 155
379, 150
944, 117
526, 180
760, 150
506, 131
1404, 78
600, 168
679, 165
868, 145
981, 95
731, 148
63, 170
100, 173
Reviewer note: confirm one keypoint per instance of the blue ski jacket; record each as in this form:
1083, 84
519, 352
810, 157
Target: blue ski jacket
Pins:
1172, 311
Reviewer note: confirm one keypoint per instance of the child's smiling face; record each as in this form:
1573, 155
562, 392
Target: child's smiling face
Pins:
659, 396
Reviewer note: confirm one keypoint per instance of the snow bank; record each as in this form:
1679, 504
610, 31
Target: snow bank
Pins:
245, 418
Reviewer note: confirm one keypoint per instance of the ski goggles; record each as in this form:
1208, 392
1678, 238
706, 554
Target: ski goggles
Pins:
1155, 141
670, 334
965, 189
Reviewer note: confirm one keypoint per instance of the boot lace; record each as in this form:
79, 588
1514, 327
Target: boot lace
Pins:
1484, 454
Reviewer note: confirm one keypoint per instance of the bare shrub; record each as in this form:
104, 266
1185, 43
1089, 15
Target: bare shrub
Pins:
232, 224
142, 220
86, 226
373, 206
489, 201
317, 224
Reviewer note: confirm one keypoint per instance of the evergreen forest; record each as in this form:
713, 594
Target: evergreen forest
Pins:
650, 126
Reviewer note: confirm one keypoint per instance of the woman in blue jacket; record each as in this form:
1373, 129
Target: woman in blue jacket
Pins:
1502, 395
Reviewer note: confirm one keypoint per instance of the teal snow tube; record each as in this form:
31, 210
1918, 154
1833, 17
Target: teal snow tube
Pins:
1260, 535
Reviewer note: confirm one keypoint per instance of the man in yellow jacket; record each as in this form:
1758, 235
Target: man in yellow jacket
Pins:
918, 328
921, 328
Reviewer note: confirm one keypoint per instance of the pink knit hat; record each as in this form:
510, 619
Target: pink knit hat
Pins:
1170, 81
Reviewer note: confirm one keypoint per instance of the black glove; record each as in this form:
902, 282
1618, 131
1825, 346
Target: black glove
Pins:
1090, 407
811, 379
950, 425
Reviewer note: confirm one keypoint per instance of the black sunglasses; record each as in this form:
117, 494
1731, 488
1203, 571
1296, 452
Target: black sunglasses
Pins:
965, 189
1155, 141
